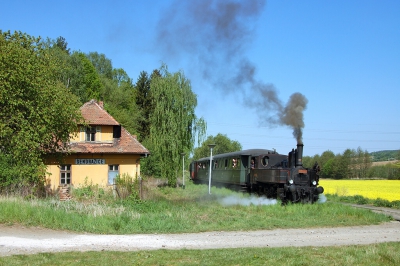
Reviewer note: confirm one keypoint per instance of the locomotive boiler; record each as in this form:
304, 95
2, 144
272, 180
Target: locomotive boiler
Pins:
261, 171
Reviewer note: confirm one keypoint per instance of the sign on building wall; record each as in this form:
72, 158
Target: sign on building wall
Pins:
90, 161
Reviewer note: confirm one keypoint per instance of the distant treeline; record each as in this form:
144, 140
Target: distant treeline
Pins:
379, 156
355, 164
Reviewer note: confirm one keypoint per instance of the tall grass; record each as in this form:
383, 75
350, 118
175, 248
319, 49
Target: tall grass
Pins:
176, 210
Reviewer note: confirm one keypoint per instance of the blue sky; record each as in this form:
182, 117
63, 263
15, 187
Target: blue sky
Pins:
343, 56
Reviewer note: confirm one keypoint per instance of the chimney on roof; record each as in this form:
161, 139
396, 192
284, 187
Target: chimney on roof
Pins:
101, 104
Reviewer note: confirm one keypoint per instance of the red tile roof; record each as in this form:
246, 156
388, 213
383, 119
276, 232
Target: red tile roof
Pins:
94, 114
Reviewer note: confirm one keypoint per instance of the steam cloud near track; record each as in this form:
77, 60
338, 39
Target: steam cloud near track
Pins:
252, 200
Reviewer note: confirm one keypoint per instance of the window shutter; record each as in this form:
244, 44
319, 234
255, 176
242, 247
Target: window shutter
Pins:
98, 133
82, 134
117, 132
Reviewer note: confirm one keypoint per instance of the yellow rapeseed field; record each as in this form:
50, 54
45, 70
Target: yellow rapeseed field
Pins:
372, 189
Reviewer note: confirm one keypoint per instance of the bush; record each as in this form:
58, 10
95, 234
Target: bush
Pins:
382, 203
128, 187
360, 199
90, 192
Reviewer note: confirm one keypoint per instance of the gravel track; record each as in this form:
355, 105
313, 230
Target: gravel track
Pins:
22, 240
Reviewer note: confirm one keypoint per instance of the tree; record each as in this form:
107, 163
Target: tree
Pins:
309, 161
363, 163
338, 167
60, 53
120, 76
223, 145
116, 90
327, 170
326, 156
143, 99
38, 113
173, 123
345, 163
62, 44
102, 64
120, 103
91, 79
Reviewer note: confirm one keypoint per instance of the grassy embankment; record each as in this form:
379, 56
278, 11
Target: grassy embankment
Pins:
172, 210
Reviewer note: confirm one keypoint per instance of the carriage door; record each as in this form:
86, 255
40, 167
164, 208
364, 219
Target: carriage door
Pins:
193, 170
244, 168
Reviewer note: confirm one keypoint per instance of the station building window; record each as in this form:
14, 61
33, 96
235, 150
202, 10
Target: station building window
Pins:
113, 171
65, 174
92, 133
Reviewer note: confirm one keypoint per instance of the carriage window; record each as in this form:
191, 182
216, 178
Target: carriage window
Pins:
234, 163
226, 163
264, 160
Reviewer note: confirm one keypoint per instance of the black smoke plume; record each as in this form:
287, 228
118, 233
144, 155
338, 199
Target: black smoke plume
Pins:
214, 36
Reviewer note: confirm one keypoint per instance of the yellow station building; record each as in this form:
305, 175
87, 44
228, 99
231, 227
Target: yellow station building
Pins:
98, 153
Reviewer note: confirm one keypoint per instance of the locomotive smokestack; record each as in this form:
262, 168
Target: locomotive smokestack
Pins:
299, 155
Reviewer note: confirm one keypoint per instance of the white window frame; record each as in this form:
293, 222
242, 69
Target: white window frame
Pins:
65, 169
94, 134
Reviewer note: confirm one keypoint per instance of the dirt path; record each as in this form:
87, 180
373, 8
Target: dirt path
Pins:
394, 213
22, 240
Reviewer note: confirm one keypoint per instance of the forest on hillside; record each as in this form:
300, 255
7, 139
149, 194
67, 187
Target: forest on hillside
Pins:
356, 164
380, 156
43, 83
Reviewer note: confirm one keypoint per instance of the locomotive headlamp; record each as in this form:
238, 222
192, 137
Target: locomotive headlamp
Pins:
314, 182
291, 181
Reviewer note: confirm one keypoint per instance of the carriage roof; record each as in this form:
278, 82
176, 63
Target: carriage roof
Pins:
250, 152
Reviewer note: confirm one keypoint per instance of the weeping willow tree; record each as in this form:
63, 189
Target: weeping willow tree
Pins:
174, 126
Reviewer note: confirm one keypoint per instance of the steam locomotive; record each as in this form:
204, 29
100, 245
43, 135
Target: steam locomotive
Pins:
261, 171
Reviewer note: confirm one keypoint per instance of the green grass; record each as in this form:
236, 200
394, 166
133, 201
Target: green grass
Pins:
176, 210
358, 199
375, 254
